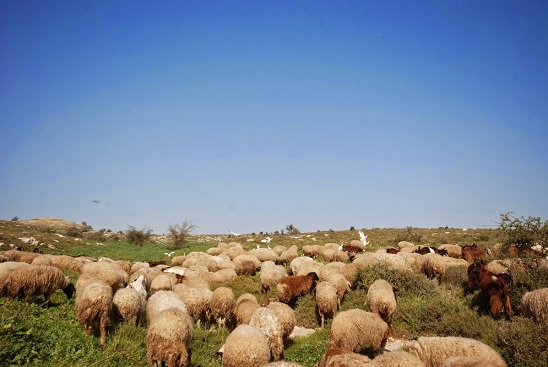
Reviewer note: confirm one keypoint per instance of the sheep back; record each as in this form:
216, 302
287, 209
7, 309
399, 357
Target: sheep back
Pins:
381, 298
168, 338
534, 304
246, 346
433, 351
222, 305
267, 320
358, 330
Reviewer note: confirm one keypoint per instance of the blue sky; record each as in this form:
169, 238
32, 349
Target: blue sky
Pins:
251, 115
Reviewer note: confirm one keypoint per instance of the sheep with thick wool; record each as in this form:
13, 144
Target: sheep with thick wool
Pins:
246, 346
163, 300
196, 300
7, 267
109, 272
381, 299
341, 285
266, 319
291, 287
129, 303
359, 331
35, 280
93, 306
169, 334
326, 300
435, 265
245, 307
342, 357
221, 305
534, 304
434, 351
287, 317
271, 274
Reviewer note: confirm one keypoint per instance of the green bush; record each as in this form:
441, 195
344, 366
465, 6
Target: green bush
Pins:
138, 236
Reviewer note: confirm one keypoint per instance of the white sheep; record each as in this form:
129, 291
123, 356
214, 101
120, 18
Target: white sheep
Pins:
266, 319
163, 300
358, 331
381, 298
434, 351
129, 303
196, 300
246, 346
326, 300
168, 338
534, 304
287, 317
271, 274
93, 306
221, 305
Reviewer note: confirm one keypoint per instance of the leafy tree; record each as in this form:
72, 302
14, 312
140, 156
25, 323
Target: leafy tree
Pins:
291, 229
138, 236
179, 233
14, 219
523, 232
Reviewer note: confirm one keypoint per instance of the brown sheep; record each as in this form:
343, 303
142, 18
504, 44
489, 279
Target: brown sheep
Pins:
473, 253
292, 287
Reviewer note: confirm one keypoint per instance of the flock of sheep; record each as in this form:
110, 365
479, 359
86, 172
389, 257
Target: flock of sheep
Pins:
172, 300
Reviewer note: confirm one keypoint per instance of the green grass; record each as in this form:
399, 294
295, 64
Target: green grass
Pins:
35, 336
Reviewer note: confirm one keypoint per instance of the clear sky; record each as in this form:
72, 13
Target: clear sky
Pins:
247, 116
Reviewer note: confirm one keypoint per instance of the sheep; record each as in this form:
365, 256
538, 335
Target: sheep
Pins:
341, 357
271, 274
246, 346
303, 265
265, 254
34, 280
168, 338
287, 317
358, 331
266, 319
296, 285
244, 310
461, 361
93, 307
282, 364
435, 265
222, 305
434, 351
162, 300
496, 290
7, 267
535, 304
289, 255
381, 299
331, 255
453, 250
109, 272
129, 303
247, 268
369, 259
164, 282
397, 358
326, 300
341, 285
196, 301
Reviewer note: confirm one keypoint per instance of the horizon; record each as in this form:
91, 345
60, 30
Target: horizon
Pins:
247, 117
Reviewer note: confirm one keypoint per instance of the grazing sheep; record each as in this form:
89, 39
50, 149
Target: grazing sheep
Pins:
244, 310
35, 280
453, 250
494, 288
341, 285
287, 317
271, 274
93, 307
326, 300
381, 298
341, 357
303, 265
129, 303
246, 346
266, 319
466, 362
247, 268
358, 331
109, 272
435, 265
434, 351
168, 339
222, 305
7, 267
535, 304
398, 358
265, 254
289, 255
163, 300
295, 286
164, 282
196, 301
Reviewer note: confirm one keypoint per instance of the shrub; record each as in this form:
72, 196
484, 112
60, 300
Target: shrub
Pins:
138, 236
291, 229
523, 232
179, 233
14, 219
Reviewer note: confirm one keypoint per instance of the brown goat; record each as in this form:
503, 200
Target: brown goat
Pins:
493, 286
294, 286
473, 253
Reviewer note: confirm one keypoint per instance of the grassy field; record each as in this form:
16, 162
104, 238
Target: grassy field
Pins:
34, 336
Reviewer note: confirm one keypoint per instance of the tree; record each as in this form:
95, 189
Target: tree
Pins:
179, 233
291, 229
138, 236
14, 219
523, 232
